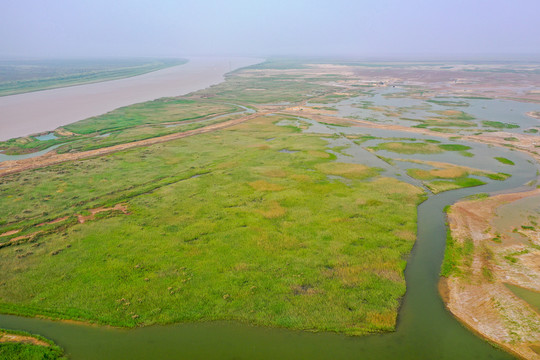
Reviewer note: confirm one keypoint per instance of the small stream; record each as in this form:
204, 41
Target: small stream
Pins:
4, 157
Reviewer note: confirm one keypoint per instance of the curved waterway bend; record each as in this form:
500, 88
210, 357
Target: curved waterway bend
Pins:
425, 329
40, 111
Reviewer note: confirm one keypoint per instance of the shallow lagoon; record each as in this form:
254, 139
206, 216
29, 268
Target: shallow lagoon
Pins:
505, 111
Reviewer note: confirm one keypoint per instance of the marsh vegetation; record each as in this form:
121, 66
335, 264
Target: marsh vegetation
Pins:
221, 226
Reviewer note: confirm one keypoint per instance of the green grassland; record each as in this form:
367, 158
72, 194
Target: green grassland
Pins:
454, 147
25, 351
499, 125
446, 120
428, 147
220, 226
154, 112
437, 186
457, 257
25, 76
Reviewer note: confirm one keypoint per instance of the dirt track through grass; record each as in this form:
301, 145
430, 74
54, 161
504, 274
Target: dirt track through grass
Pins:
11, 167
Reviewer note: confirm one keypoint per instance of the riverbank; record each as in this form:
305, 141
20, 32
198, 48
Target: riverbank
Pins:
36, 75
40, 111
489, 258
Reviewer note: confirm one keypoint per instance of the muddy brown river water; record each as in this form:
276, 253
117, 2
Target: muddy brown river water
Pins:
39, 111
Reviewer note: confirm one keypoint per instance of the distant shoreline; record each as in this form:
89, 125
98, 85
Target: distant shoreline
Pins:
23, 86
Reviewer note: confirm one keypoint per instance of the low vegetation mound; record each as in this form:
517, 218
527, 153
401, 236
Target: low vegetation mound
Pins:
504, 160
350, 171
15, 345
428, 147
409, 147
445, 176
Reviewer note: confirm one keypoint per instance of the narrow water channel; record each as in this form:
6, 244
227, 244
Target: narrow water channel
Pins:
425, 329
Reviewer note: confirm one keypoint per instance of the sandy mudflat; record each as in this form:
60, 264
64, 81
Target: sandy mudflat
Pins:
35, 112
485, 304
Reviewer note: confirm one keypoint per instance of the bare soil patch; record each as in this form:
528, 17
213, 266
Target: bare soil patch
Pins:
11, 232
55, 221
5, 338
478, 297
81, 219
118, 207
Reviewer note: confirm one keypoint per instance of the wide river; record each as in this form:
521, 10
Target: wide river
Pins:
426, 330
39, 111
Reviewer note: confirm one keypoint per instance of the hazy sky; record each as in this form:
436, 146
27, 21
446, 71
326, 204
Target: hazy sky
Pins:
421, 28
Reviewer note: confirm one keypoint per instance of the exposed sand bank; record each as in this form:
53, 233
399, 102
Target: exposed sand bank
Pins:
478, 297
534, 114
7, 337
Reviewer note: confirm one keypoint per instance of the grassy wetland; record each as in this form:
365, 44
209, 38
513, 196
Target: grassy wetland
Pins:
299, 211
221, 226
